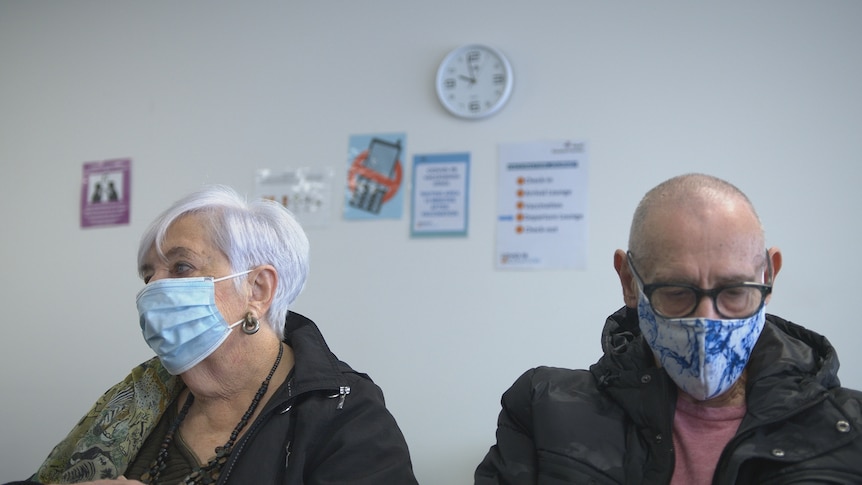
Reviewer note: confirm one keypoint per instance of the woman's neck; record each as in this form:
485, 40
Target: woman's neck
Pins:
225, 385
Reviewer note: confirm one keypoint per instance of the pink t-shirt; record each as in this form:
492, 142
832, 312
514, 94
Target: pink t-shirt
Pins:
700, 434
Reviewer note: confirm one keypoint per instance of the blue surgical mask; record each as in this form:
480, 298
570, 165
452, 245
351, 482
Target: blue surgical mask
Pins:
703, 356
180, 320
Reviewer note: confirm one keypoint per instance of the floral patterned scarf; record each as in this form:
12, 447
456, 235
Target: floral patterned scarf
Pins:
108, 437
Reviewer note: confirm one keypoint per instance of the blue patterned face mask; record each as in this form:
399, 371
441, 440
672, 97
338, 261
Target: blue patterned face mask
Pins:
704, 357
180, 320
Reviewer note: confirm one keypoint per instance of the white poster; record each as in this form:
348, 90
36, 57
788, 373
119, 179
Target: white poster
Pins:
542, 206
306, 192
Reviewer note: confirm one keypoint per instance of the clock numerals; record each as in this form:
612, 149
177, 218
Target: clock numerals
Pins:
474, 81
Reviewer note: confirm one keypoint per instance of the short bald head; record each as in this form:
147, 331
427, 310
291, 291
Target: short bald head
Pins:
694, 208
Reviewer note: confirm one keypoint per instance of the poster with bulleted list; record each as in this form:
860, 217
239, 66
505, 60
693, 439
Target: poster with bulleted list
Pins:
542, 205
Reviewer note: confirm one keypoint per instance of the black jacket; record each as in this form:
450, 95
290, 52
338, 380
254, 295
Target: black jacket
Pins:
613, 423
327, 424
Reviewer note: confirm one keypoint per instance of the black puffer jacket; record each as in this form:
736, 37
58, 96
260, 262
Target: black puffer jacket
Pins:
613, 423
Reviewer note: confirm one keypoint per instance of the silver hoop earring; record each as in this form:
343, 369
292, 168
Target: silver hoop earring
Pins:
250, 324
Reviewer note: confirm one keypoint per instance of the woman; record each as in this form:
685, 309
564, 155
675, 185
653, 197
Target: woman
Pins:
242, 390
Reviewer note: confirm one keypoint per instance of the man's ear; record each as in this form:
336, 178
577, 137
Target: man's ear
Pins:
263, 284
774, 255
621, 264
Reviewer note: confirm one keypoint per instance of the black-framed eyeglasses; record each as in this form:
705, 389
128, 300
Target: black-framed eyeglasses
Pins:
679, 300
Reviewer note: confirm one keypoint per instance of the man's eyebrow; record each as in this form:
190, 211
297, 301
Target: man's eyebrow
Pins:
721, 281
736, 279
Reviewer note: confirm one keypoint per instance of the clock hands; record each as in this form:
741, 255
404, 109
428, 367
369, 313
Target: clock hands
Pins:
472, 71
472, 77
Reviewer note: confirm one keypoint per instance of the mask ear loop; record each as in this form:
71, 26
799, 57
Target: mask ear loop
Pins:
250, 324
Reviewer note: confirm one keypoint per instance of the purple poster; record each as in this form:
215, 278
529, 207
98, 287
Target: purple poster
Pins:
105, 194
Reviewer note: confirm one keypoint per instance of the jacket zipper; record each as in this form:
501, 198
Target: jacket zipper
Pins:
285, 406
343, 391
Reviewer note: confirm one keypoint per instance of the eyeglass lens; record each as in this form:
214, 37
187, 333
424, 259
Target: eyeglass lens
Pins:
730, 302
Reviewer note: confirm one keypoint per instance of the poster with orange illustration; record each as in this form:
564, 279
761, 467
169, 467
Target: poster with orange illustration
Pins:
375, 171
542, 205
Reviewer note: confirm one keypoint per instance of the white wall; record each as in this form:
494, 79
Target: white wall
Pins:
766, 94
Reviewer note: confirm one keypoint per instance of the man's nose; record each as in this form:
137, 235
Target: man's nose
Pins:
706, 308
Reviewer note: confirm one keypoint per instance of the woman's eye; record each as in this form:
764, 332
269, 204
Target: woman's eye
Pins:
181, 268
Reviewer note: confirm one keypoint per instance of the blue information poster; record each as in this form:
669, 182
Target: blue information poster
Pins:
440, 194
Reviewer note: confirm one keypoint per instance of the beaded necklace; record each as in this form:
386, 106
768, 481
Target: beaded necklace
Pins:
210, 472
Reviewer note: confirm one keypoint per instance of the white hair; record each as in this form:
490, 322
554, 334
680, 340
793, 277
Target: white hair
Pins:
249, 233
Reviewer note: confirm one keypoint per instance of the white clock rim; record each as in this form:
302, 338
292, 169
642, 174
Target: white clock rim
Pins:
501, 101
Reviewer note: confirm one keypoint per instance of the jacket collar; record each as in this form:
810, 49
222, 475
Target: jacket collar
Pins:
315, 366
787, 357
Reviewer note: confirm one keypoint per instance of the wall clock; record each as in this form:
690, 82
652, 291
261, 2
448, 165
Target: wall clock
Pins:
474, 81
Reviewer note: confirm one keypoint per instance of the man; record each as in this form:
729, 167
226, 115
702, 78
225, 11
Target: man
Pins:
697, 384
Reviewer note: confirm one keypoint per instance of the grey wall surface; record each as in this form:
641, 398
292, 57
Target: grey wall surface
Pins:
766, 94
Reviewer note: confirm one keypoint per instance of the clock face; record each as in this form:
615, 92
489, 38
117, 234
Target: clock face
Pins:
474, 81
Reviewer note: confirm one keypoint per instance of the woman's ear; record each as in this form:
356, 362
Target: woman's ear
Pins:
263, 284
621, 264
